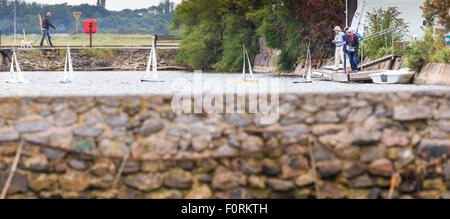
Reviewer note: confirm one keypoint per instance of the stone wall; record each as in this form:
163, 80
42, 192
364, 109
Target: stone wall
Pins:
93, 60
266, 60
357, 141
434, 74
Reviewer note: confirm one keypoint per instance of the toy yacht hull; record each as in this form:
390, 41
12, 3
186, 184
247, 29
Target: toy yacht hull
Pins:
303, 82
245, 82
151, 80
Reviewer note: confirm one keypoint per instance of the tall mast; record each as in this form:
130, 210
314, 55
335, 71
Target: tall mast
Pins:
14, 24
346, 13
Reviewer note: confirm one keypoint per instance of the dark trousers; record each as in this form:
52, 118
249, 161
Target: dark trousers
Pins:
353, 56
345, 59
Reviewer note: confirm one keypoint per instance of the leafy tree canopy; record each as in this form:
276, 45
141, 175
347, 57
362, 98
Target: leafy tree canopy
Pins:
213, 31
437, 11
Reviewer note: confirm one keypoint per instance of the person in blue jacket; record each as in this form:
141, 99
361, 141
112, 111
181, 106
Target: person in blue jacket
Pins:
352, 42
344, 37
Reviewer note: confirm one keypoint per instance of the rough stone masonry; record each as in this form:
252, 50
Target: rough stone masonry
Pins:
228, 155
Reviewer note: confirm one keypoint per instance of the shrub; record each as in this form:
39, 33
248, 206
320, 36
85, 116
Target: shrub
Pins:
431, 49
417, 56
442, 56
35, 54
103, 54
380, 20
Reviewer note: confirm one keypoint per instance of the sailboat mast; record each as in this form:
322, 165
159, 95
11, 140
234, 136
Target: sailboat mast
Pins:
154, 61
308, 76
243, 69
249, 64
14, 24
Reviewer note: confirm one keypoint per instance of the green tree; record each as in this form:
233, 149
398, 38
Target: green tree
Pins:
437, 11
127, 21
213, 32
101, 3
291, 24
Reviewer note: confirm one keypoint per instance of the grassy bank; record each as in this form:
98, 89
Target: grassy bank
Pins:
83, 40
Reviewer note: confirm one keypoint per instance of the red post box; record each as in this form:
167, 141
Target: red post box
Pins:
90, 24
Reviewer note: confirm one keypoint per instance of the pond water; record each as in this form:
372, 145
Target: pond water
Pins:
128, 83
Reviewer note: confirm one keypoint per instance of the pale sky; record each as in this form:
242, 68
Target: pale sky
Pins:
116, 5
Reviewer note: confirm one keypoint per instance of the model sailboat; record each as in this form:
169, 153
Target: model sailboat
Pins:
68, 68
306, 77
15, 76
244, 72
152, 76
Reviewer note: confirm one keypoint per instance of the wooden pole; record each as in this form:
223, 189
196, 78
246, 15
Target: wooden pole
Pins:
77, 16
13, 170
90, 35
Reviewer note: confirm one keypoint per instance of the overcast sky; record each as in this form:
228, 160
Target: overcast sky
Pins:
116, 5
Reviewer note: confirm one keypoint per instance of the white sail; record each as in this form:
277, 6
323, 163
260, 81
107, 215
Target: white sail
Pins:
155, 62
308, 76
69, 57
68, 67
246, 59
358, 15
149, 64
64, 78
249, 65
307, 73
12, 75
19, 75
243, 68
17, 63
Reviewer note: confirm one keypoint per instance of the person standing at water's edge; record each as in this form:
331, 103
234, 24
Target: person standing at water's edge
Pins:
46, 24
339, 42
352, 49
345, 37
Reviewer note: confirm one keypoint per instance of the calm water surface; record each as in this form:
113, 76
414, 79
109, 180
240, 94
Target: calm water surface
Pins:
128, 83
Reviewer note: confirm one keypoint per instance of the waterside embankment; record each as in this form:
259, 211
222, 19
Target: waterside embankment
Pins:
97, 59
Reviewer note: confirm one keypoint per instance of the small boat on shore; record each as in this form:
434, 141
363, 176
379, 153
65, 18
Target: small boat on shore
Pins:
402, 76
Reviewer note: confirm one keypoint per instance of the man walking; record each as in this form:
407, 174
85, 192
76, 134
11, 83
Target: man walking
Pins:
339, 42
46, 24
